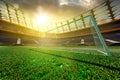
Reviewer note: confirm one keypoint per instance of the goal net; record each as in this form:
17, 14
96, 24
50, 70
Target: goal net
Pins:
97, 36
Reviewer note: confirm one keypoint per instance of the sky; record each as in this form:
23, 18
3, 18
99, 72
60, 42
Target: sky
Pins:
57, 9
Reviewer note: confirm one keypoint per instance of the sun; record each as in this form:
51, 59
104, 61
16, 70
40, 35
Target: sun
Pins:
42, 19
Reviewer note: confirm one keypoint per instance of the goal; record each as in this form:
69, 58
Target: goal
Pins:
97, 36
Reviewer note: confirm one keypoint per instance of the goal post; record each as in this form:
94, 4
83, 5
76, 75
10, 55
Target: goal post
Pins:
99, 41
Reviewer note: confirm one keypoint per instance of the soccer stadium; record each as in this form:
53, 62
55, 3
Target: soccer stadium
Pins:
59, 39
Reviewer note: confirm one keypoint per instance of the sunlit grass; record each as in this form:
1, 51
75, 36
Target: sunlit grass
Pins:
32, 63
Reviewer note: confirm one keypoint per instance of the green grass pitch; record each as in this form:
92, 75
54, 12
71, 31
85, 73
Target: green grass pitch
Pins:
66, 63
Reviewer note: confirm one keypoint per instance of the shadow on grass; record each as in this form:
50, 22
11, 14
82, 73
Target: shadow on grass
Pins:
83, 61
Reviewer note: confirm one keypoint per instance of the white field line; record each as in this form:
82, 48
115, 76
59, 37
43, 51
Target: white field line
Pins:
72, 49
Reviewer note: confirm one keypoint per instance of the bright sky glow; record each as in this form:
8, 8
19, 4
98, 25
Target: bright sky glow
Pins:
42, 21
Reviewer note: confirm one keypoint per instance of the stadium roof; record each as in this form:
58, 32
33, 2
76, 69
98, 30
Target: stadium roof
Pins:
57, 9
